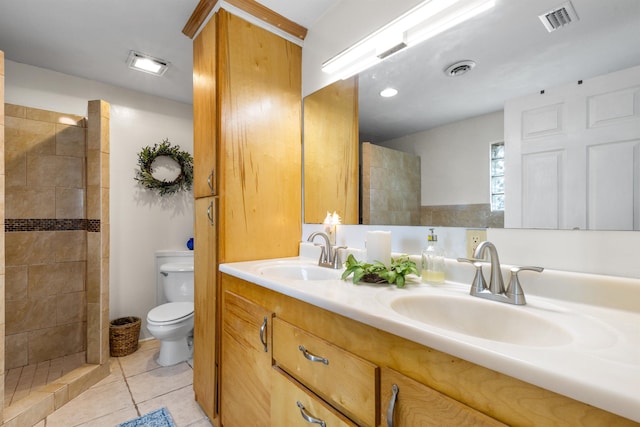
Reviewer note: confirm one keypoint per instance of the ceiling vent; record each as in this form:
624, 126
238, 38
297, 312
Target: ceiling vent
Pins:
559, 17
459, 68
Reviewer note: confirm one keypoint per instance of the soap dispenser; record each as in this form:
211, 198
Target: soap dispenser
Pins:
432, 260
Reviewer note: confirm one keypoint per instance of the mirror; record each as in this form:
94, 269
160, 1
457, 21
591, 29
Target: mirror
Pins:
515, 56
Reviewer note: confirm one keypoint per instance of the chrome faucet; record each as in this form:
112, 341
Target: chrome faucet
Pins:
495, 290
329, 256
496, 284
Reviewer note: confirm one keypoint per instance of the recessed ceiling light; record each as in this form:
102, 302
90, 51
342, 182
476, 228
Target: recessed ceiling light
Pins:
459, 68
147, 64
388, 92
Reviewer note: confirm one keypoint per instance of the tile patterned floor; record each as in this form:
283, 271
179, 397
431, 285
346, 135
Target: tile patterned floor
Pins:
137, 385
20, 382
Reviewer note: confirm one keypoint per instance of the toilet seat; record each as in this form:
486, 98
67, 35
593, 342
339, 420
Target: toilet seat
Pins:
170, 313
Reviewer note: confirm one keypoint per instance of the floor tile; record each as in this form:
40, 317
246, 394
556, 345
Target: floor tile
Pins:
142, 360
93, 403
200, 423
137, 385
181, 405
159, 381
112, 419
115, 375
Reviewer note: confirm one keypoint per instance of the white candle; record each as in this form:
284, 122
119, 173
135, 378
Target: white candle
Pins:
379, 247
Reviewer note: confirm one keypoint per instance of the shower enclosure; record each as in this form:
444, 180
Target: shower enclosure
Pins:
56, 257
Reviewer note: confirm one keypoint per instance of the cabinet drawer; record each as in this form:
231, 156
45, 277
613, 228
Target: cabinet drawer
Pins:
414, 403
295, 406
346, 381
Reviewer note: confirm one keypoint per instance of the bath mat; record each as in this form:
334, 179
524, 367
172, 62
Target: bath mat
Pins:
157, 418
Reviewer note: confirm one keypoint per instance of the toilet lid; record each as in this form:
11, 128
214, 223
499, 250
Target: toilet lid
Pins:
170, 312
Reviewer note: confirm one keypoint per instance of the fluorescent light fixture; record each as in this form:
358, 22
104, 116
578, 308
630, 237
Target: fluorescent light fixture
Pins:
147, 64
417, 25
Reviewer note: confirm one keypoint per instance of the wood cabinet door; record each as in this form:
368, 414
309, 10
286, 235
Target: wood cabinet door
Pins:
205, 298
294, 405
205, 112
259, 77
331, 152
406, 402
245, 359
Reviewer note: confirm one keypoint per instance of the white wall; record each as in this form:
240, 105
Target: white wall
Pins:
141, 222
454, 159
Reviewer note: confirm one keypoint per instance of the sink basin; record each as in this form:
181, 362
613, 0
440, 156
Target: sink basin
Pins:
300, 272
482, 319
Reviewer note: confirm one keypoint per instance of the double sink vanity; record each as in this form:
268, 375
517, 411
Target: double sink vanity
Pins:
381, 355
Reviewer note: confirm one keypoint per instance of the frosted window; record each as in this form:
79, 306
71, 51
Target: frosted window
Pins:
497, 176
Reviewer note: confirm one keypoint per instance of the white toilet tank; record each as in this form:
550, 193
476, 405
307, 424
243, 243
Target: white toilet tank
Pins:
169, 257
177, 281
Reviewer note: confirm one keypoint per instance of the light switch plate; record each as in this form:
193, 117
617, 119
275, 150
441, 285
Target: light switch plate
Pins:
474, 237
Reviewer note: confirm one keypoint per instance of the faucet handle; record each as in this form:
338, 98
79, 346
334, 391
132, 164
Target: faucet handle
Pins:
514, 290
324, 257
337, 259
479, 283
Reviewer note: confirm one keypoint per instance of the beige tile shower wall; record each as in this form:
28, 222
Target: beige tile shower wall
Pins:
46, 299
98, 239
2, 241
477, 215
390, 186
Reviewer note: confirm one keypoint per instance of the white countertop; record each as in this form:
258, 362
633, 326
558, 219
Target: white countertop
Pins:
599, 365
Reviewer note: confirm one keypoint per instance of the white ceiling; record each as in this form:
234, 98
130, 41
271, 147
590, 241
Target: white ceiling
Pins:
514, 53
92, 38
515, 56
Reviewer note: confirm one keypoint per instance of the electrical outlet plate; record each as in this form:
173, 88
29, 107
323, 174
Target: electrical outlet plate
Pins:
474, 238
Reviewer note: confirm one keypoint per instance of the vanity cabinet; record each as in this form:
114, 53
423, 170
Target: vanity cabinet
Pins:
453, 390
247, 88
346, 381
407, 403
246, 363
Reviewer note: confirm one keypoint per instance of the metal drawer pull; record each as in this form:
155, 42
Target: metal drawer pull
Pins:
210, 213
308, 418
311, 357
263, 329
210, 181
392, 405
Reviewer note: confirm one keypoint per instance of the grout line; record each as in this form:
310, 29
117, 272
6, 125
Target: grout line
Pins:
124, 377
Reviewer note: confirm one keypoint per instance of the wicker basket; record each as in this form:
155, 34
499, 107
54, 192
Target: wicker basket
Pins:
124, 333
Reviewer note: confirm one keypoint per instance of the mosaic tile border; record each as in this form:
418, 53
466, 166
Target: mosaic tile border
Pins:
35, 224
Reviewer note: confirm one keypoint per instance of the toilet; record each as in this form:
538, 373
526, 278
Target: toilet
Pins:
172, 322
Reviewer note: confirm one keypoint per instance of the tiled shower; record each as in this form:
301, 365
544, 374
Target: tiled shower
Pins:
46, 236
56, 229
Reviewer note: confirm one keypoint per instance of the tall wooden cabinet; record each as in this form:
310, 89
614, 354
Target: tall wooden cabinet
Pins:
247, 168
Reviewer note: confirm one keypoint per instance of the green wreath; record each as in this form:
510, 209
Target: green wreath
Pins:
145, 177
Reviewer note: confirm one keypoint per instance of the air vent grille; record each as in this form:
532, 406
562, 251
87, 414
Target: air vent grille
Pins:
459, 68
559, 17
